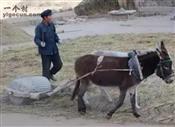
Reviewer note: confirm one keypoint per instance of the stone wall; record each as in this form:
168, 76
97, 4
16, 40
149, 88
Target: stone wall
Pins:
90, 7
154, 7
147, 3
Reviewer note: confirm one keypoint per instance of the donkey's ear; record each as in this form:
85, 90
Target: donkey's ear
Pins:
158, 46
162, 45
158, 50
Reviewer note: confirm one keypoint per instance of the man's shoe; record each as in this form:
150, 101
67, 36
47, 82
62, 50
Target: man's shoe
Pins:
53, 78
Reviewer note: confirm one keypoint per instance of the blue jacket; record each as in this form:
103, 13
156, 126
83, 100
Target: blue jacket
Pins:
47, 34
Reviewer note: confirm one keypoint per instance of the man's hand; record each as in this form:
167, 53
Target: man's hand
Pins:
58, 43
43, 44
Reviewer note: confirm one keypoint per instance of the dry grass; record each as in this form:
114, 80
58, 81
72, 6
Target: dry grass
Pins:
157, 98
12, 34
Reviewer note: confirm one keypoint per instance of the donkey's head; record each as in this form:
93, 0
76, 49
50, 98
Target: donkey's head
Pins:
164, 69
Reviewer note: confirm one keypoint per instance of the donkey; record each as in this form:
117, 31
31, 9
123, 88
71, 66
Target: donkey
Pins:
157, 61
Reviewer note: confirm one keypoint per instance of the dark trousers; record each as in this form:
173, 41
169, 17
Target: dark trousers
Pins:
47, 60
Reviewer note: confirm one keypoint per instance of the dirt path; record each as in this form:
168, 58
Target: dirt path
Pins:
105, 26
102, 26
23, 120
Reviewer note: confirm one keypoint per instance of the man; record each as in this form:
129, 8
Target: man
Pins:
46, 39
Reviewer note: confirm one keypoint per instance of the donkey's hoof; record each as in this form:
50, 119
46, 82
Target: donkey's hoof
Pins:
108, 116
136, 115
137, 106
82, 112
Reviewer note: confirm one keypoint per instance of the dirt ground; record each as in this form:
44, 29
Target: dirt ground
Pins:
23, 120
156, 97
106, 25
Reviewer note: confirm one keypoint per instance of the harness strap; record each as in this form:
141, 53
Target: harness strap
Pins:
100, 60
134, 64
139, 67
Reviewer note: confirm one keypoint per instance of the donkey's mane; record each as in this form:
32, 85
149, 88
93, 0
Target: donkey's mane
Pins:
147, 54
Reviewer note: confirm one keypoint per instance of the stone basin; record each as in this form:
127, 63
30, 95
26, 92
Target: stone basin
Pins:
122, 12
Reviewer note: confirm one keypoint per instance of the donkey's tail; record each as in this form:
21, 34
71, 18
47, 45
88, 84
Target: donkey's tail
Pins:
76, 90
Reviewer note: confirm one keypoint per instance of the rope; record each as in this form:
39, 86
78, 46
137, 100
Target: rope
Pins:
95, 70
70, 82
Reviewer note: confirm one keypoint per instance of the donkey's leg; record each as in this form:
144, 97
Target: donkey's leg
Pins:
85, 98
133, 90
136, 98
133, 104
119, 103
105, 93
81, 104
